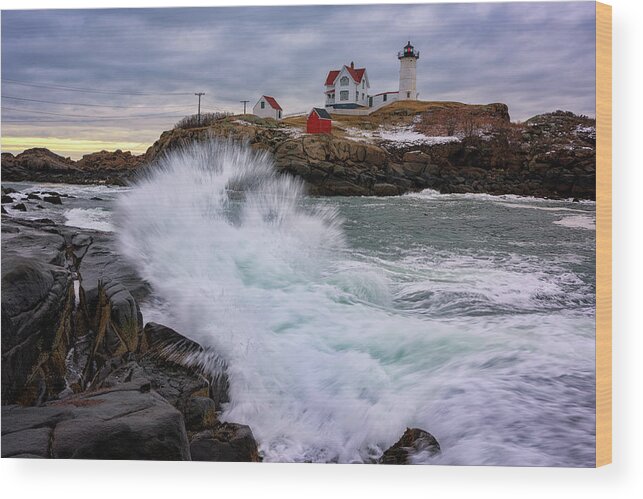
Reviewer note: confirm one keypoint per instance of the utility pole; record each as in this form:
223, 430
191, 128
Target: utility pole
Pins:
244, 105
199, 94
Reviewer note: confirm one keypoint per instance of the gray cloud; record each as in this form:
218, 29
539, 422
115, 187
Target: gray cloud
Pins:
536, 57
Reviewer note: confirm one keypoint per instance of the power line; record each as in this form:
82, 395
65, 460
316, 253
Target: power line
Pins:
87, 104
83, 115
71, 122
93, 91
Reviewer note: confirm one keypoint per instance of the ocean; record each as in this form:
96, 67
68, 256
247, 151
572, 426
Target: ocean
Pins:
343, 321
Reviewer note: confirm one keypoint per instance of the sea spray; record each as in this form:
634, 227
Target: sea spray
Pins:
328, 358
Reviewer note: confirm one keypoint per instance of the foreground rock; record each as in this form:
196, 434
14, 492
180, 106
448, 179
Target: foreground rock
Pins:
228, 442
82, 377
37, 305
126, 422
414, 444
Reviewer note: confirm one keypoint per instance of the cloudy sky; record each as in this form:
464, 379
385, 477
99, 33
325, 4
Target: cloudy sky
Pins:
81, 80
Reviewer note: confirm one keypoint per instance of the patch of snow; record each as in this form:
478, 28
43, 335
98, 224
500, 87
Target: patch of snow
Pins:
400, 136
360, 135
585, 130
292, 132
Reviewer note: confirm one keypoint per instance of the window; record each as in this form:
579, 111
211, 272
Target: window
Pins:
356, 96
280, 114
263, 105
343, 95
362, 83
384, 98
408, 95
343, 81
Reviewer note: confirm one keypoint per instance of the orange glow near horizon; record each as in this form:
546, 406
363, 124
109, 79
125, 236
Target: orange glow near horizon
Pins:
74, 148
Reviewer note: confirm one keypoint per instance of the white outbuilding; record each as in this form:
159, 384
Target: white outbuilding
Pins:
267, 107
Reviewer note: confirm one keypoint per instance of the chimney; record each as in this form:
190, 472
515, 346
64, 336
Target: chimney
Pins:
352, 65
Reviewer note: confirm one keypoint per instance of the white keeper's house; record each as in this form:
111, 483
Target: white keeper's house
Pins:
347, 89
267, 107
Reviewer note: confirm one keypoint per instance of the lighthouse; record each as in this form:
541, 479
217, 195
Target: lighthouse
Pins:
408, 60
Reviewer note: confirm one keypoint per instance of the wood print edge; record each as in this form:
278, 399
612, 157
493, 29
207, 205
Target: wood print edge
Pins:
603, 234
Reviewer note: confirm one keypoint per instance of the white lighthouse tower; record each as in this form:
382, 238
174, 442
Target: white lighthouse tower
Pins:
408, 59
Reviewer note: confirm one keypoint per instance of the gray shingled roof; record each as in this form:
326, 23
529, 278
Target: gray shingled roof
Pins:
322, 113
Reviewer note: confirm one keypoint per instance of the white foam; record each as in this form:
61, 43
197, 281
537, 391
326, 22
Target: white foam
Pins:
89, 218
578, 222
321, 364
509, 200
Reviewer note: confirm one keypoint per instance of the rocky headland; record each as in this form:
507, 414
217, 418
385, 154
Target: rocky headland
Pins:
407, 146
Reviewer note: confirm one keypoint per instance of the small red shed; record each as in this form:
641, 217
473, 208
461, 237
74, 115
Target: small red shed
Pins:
319, 121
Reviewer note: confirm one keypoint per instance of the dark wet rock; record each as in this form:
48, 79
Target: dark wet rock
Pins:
152, 389
96, 198
20, 207
4, 212
180, 370
8, 190
16, 418
200, 413
32, 240
44, 221
177, 384
228, 442
121, 424
164, 340
31, 195
37, 304
170, 347
102, 262
52, 199
7, 199
114, 320
33, 442
126, 422
414, 443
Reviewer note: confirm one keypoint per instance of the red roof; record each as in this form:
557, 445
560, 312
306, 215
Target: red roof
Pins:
356, 74
330, 79
273, 103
